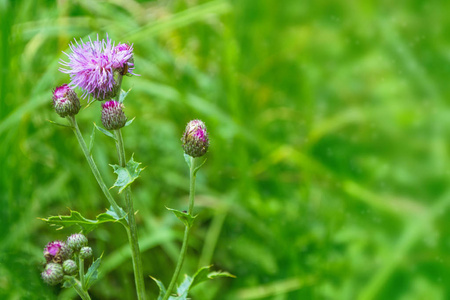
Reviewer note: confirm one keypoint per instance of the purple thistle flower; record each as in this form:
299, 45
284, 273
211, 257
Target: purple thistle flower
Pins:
57, 251
93, 65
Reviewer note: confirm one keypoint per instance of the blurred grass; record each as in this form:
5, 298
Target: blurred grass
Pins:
326, 177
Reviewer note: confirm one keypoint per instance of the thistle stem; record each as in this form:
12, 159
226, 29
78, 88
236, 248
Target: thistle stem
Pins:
81, 268
81, 292
93, 166
132, 229
187, 230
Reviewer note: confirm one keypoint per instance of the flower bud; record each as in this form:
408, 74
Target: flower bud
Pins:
195, 139
52, 274
70, 267
76, 241
85, 252
57, 252
112, 115
65, 101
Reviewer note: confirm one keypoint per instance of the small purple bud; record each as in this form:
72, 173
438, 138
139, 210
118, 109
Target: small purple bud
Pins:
85, 252
57, 252
195, 139
52, 274
65, 101
112, 115
76, 241
70, 267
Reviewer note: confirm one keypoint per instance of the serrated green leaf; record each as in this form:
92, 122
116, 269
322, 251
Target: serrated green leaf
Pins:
162, 289
105, 132
126, 175
187, 158
129, 122
186, 218
69, 281
91, 141
92, 274
204, 274
183, 289
86, 225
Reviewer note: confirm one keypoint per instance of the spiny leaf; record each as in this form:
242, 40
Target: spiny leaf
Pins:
204, 274
123, 95
126, 175
92, 274
186, 218
105, 132
162, 289
87, 225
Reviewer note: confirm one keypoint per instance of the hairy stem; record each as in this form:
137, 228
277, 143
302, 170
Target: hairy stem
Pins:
187, 231
132, 230
81, 268
81, 292
93, 166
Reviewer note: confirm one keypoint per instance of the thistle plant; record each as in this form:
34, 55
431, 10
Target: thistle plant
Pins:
97, 68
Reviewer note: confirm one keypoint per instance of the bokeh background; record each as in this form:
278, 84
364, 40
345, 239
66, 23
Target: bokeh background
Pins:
327, 176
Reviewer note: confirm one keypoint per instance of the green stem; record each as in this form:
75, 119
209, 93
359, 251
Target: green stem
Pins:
173, 281
132, 230
93, 166
81, 268
83, 294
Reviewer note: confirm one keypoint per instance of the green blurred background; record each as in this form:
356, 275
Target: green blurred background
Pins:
327, 172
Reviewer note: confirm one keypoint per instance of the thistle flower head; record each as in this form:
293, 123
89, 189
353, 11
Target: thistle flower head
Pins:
52, 274
65, 101
93, 65
85, 252
112, 115
70, 267
76, 241
195, 139
57, 252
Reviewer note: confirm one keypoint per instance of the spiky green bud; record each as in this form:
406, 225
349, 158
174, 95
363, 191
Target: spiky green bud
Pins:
85, 252
70, 267
76, 241
52, 274
112, 115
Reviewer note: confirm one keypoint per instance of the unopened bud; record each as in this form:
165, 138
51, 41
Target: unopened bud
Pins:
65, 101
70, 267
76, 241
195, 139
52, 274
112, 115
85, 252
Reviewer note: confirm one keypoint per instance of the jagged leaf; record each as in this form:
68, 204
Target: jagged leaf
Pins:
204, 274
186, 218
69, 281
105, 132
162, 289
86, 225
126, 175
92, 274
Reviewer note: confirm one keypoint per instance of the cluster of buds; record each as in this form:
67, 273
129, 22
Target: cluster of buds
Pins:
195, 139
59, 257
